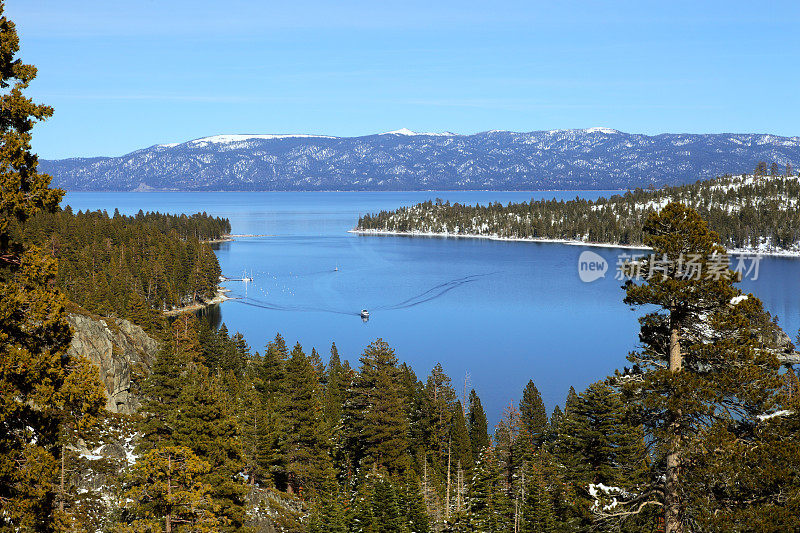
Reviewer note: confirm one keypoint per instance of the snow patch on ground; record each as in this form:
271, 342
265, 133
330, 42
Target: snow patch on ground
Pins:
782, 412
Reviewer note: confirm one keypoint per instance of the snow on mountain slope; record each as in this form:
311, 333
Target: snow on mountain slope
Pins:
592, 158
406, 131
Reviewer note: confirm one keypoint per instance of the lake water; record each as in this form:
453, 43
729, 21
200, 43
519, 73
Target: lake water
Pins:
500, 313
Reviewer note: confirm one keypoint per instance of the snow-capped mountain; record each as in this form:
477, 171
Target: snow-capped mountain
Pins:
593, 158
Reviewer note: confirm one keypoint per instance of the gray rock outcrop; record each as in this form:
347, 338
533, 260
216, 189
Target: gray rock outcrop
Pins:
123, 353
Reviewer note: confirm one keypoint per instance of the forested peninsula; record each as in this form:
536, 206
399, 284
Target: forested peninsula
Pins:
755, 212
133, 267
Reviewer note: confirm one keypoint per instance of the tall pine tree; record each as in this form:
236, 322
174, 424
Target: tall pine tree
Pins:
34, 334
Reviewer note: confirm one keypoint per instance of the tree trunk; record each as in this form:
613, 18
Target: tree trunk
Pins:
447, 499
672, 504
61, 489
168, 518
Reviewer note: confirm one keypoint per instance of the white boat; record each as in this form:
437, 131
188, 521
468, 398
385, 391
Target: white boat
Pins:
364, 313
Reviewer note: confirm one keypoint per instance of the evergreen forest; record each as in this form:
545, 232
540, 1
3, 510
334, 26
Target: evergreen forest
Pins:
700, 433
132, 267
757, 212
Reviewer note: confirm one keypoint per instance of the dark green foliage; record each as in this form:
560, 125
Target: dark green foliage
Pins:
761, 212
374, 413
478, 427
488, 504
572, 400
130, 267
221, 352
186, 406
385, 507
334, 391
438, 409
206, 424
160, 406
268, 374
599, 442
533, 416
412, 504
305, 438
555, 423
708, 372
328, 513
461, 444
537, 513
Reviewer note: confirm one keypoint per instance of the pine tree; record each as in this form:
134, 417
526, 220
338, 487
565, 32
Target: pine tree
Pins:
306, 442
252, 422
374, 412
166, 489
555, 423
506, 437
462, 446
360, 516
695, 377
572, 400
599, 444
328, 510
160, 404
489, 506
537, 514
533, 417
385, 506
439, 406
81, 402
269, 381
187, 342
334, 391
477, 424
35, 370
412, 504
185, 406
206, 424
318, 365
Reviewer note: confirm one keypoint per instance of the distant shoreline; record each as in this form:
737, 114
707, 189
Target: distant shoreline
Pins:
570, 242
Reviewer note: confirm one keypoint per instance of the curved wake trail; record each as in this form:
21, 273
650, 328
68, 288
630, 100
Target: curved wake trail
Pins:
252, 302
437, 291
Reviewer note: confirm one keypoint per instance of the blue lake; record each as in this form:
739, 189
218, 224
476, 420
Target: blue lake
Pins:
500, 313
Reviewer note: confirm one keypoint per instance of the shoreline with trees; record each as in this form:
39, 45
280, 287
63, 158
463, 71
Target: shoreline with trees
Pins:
752, 214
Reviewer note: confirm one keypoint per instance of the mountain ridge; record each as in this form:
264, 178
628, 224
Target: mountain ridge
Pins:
571, 159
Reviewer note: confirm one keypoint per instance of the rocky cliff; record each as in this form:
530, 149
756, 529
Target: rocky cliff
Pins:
123, 353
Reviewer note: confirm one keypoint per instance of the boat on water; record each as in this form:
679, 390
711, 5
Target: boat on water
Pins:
364, 313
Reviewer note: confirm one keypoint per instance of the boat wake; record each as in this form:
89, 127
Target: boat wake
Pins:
253, 302
437, 291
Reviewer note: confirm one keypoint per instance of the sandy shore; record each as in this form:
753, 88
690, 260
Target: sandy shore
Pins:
570, 242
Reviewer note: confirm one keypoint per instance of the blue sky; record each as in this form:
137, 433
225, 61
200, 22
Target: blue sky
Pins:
123, 75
